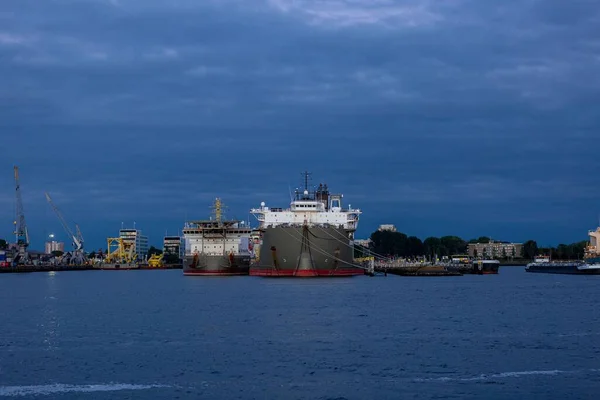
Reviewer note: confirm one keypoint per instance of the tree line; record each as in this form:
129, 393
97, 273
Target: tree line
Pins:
398, 244
573, 251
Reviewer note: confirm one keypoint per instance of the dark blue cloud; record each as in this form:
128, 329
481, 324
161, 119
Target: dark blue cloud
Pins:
460, 117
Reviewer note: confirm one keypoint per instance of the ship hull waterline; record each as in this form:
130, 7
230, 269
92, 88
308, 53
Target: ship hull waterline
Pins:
216, 265
305, 252
568, 270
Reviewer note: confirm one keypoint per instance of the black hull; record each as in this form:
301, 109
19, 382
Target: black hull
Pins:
569, 270
297, 251
212, 265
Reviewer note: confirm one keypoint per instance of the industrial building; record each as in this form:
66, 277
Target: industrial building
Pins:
174, 245
135, 236
387, 227
362, 242
53, 245
495, 250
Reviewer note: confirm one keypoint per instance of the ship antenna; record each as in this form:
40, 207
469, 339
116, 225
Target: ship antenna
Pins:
306, 174
218, 209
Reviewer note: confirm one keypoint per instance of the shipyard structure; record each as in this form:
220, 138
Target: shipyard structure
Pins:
314, 237
217, 246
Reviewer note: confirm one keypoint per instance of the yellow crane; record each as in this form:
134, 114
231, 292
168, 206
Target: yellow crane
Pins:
120, 251
155, 260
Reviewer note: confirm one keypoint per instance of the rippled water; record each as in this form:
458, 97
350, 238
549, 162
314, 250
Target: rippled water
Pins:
159, 335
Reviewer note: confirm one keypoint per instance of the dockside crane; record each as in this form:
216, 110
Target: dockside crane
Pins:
21, 234
78, 256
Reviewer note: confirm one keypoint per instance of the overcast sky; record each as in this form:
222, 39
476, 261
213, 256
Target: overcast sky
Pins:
476, 117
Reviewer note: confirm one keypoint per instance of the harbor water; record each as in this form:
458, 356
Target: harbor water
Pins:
160, 335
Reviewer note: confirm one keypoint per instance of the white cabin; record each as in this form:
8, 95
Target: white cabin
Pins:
317, 208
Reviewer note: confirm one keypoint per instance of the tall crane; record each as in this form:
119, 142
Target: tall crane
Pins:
21, 234
78, 256
22, 237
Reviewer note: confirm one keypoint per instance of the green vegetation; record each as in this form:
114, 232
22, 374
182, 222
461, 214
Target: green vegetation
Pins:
3, 244
170, 258
573, 251
153, 250
398, 244
57, 253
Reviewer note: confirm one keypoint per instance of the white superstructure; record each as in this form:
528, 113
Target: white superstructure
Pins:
217, 237
316, 208
593, 248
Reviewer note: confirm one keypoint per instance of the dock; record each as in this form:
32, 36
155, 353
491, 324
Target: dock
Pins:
426, 270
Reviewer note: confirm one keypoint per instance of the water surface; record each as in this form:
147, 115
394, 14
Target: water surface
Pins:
160, 335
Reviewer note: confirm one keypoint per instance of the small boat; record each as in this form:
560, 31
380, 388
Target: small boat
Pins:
474, 267
485, 267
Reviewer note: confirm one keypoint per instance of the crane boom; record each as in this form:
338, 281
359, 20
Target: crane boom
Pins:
77, 239
22, 236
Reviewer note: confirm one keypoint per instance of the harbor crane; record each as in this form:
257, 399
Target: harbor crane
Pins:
78, 256
21, 234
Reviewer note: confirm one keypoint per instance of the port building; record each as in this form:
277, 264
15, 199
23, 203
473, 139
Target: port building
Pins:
53, 245
362, 242
136, 238
174, 245
495, 250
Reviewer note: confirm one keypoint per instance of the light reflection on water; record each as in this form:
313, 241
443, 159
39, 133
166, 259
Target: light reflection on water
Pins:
49, 324
514, 335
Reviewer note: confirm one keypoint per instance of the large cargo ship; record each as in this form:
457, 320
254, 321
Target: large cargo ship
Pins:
592, 251
217, 247
590, 265
543, 264
312, 238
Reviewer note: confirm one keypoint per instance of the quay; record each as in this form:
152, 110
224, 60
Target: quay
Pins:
45, 268
60, 268
403, 268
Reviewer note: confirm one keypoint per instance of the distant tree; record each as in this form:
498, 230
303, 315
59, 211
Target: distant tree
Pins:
475, 253
454, 245
360, 251
530, 249
433, 246
389, 243
92, 254
153, 250
57, 253
504, 253
481, 239
415, 246
170, 258
3, 244
513, 252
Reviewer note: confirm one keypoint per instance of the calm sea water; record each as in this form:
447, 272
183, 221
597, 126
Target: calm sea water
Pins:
160, 335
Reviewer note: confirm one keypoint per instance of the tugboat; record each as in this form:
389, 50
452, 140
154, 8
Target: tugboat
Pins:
217, 247
485, 267
314, 237
466, 266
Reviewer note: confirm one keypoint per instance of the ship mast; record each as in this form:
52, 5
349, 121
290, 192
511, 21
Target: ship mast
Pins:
306, 192
218, 209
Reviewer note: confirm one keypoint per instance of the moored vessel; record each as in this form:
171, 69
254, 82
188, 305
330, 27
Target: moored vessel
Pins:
543, 264
312, 238
592, 251
485, 267
474, 267
217, 247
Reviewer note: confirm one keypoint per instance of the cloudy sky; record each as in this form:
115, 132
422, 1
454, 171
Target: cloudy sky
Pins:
474, 117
